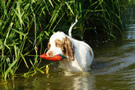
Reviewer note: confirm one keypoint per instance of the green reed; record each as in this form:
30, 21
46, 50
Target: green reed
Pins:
26, 25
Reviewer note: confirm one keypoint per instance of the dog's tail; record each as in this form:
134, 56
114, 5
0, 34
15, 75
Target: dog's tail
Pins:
72, 25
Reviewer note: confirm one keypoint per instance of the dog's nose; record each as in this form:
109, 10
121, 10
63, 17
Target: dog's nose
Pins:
50, 53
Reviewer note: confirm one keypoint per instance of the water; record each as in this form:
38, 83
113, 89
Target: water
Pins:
112, 69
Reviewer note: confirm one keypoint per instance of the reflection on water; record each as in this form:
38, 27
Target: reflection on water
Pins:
115, 66
130, 23
130, 33
40, 82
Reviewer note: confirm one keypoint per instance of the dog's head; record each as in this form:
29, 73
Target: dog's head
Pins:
60, 43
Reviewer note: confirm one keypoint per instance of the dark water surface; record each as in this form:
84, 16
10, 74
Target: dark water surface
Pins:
113, 69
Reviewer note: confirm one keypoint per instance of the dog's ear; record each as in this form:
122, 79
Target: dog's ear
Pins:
68, 48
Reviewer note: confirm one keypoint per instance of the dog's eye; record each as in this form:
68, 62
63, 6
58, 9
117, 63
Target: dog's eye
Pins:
58, 45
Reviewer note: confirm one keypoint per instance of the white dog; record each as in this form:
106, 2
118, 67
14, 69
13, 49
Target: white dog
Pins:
79, 55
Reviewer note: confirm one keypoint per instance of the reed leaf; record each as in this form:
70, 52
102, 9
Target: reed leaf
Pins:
69, 7
7, 35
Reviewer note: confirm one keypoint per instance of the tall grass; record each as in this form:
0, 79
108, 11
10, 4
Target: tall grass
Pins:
26, 25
